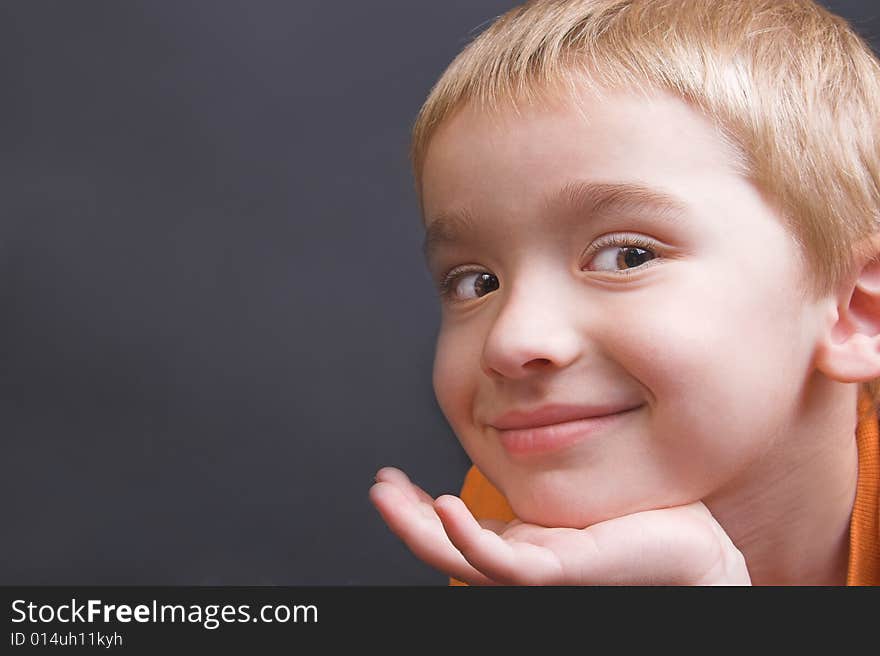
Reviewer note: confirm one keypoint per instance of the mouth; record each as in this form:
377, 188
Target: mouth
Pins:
553, 437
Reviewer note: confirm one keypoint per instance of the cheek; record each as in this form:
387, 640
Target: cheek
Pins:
723, 359
715, 331
456, 372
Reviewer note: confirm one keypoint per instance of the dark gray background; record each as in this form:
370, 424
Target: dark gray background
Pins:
216, 321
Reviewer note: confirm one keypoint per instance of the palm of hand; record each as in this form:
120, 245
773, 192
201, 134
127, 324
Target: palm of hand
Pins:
673, 546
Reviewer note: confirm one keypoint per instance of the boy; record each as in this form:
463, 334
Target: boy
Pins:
654, 229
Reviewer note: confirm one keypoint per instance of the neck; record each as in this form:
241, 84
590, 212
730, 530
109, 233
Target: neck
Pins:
790, 518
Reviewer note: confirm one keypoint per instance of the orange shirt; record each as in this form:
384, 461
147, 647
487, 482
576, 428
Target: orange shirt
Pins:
864, 526
486, 502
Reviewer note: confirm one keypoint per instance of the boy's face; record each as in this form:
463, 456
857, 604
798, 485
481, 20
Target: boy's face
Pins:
689, 322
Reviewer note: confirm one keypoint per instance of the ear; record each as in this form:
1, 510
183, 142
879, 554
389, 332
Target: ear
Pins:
849, 351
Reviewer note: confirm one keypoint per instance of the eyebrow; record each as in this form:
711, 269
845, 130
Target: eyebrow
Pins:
595, 198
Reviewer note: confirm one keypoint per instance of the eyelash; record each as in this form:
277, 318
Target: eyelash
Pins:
620, 241
447, 284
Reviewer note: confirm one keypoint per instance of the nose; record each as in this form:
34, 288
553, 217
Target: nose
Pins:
535, 331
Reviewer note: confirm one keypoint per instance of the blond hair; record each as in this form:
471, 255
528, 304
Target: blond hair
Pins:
789, 84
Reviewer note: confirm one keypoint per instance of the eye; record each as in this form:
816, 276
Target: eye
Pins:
463, 285
621, 253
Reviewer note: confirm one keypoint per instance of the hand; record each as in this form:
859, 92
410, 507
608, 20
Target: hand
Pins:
683, 545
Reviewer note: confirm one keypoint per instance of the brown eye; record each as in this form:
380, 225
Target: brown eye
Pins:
633, 256
620, 258
473, 285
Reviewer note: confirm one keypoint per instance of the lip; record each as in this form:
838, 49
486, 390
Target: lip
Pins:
555, 427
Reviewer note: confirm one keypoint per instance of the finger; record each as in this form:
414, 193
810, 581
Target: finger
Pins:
423, 534
399, 478
490, 553
402, 481
494, 525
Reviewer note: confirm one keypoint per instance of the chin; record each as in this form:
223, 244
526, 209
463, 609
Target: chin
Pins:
557, 505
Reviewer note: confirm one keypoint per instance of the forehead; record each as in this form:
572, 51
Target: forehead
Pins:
511, 163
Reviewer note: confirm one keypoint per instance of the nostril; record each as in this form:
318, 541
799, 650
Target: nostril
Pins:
537, 363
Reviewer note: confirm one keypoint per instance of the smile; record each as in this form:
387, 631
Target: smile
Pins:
535, 440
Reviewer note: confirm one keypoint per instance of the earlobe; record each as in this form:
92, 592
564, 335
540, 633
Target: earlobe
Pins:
850, 348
